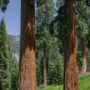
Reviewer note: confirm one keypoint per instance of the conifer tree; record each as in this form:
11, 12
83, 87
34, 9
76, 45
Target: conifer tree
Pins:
14, 68
27, 73
82, 30
65, 22
4, 58
45, 14
70, 74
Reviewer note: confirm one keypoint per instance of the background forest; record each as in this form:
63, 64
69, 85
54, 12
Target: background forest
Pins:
50, 40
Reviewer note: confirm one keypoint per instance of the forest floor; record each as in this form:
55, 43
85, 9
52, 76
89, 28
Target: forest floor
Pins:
84, 83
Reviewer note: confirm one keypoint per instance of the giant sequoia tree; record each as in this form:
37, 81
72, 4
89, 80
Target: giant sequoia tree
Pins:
27, 75
70, 75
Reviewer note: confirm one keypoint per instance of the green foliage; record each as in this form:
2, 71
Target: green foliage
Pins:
82, 28
60, 3
8, 65
14, 68
40, 2
88, 49
44, 16
55, 62
52, 87
79, 60
88, 59
51, 31
13, 63
60, 22
55, 72
62, 26
79, 54
3, 4
81, 19
84, 83
88, 38
4, 58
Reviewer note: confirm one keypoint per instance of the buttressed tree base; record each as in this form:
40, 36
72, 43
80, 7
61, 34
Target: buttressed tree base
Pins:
70, 75
27, 75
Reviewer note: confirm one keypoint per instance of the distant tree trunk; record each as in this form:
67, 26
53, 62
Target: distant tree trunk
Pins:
27, 73
70, 74
83, 49
44, 51
45, 67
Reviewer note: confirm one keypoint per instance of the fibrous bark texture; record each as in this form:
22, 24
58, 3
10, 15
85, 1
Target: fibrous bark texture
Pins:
27, 74
83, 49
70, 74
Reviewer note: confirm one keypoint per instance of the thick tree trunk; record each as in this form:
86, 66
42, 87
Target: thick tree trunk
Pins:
70, 74
45, 67
83, 49
27, 75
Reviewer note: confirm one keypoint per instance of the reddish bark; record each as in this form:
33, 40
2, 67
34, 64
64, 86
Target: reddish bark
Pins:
70, 74
45, 68
27, 75
84, 64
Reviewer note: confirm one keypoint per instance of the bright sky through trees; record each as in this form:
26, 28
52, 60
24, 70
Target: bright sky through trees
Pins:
12, 17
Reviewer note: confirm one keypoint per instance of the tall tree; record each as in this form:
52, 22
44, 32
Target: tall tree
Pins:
27, 75
44, 64
83, 68
70, 74
88, 49
65, 22
14, 68
4, 58
45, 14
82, 30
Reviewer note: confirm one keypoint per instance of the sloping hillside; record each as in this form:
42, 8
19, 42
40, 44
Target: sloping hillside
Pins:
15, 45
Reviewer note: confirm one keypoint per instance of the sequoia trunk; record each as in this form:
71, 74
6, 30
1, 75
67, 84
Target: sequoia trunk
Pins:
70, 74
83, 49
27, 73
44, 63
